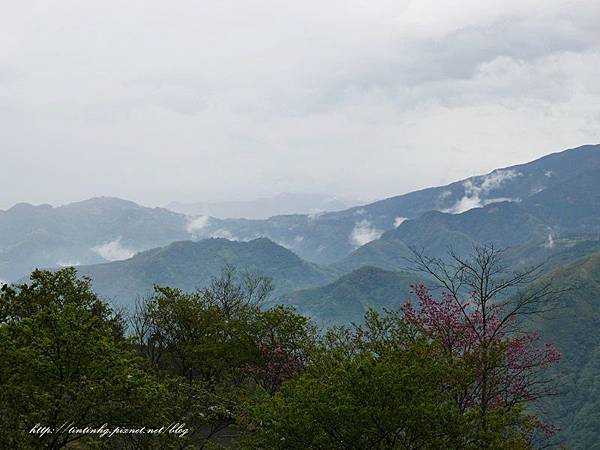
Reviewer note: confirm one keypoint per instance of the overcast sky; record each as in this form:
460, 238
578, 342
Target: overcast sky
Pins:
211, 100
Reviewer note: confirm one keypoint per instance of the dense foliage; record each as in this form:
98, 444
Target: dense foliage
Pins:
573, 326
65, 362
427, 379
212, 369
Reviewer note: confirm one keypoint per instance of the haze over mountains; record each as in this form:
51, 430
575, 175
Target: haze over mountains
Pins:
263, 208
540, 200
328, 237
544, 211
88, 232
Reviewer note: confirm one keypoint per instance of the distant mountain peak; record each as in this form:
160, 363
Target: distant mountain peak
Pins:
103, 201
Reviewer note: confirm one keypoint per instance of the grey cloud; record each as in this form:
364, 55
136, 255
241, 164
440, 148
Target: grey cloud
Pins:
212, 101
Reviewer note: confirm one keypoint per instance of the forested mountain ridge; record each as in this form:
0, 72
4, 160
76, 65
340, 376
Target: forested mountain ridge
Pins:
528, 229
189, 265
570, 207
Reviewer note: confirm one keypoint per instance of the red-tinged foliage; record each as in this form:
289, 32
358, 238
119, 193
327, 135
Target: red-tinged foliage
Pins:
508, 368
277, 365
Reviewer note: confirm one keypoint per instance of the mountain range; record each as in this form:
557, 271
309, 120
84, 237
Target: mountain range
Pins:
263, 208
329, 237
544, 199
87, 232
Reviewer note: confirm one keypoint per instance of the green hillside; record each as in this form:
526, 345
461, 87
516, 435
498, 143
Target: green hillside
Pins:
528, 240
502, 224
387, 254
347, 299
190, 265
574, 329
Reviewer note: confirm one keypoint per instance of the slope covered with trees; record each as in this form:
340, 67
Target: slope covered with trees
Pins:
189, 265
573, 327
210, 368
348, 298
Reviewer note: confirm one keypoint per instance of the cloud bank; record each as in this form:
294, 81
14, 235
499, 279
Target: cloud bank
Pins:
398, 221
222, 100
69, 263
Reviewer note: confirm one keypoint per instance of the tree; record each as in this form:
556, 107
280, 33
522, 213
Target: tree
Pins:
217, 346
477, 321
235, 295
454, 372
376, 386
64, 362
284, 340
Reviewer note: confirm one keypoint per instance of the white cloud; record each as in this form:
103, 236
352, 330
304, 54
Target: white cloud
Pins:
398, 221
363, 233
199, 227
224, 234
490, 201
496, 178
464, 204
69, 263
196, 225
477, 189
113, 251
550, 242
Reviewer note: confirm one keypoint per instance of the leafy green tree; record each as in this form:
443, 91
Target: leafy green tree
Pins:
479, 322
64, 363
284, 341
217, 345
382, 385
357, 396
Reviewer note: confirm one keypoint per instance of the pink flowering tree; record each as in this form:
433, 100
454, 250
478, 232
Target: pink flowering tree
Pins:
277, 365
283, 339
477, 321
